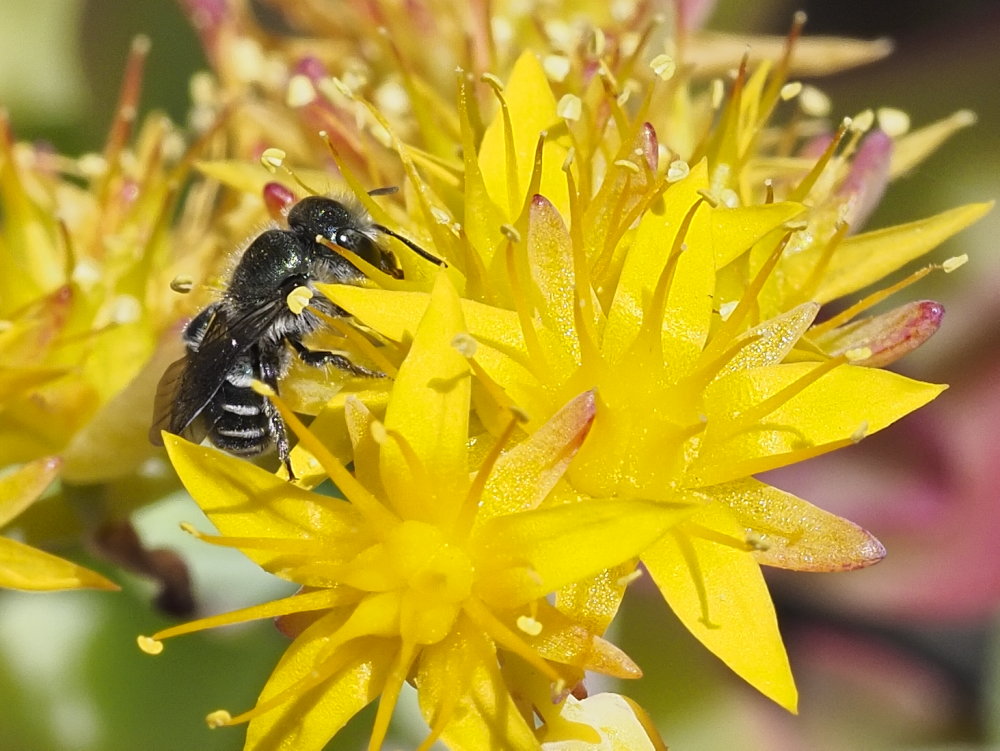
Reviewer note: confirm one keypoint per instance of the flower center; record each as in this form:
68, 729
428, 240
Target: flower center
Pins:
438, 577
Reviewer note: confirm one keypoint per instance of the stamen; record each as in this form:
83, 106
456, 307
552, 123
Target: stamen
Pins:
652, 322
272, 544
390, 694
359, 341
484, 618
322, 599
369, 505
467, 513
624, 581
298, 299
508, 141
873, 299
720, 538
801, 191
818, 273
536, 353
218, 719
748, 301
767, 406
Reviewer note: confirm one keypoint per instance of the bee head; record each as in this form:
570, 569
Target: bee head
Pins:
346, 226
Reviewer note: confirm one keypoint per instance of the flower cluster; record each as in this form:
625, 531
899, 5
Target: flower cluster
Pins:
625, 334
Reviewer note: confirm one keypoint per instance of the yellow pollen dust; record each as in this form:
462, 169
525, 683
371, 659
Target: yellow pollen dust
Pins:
217, 719
149, 645
298, 299
663, 66
465, 344
955, 262
529, 625
272, 159
570, 107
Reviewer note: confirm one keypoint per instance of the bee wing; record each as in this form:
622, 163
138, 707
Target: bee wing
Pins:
166, 398
189, 384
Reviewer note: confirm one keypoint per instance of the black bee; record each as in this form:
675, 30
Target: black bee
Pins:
248, 333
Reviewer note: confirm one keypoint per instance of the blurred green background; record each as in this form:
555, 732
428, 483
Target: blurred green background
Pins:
72, 679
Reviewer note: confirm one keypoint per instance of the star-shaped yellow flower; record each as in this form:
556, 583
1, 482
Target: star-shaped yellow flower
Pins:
684, 299
423, 572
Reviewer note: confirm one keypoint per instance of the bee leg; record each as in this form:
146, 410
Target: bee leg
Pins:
317, 358
270, 367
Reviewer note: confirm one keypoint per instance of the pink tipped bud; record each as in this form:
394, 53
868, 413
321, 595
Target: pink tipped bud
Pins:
692, 14
650, 146
868, 177
278, 200
889, 336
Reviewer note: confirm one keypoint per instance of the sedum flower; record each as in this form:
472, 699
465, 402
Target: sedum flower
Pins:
684, 294
86, 260
423, 571
25, 567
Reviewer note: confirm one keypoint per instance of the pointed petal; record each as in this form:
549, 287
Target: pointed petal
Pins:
21, 488
917, 145
715, 52
846, 403
735, 230
25, 567
889, 336
775, 338
309, 718
561, 639
594, 601
689, 302
460, 687
794, 534
395, 315
522, 557
523, 476
865, 259
243, 500
429, 411
532, 108
720, 596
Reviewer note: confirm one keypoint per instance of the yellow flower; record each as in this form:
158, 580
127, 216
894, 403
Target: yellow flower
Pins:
86, 260
424, 573
25, 567
684, 294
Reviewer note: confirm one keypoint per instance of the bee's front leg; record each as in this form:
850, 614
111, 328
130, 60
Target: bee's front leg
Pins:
317, 358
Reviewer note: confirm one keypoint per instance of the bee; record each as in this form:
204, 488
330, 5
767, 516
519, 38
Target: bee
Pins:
250, 333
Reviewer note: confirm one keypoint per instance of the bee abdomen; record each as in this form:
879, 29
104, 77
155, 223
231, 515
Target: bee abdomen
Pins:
239, 422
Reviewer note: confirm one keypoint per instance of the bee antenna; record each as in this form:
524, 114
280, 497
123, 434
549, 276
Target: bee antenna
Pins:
411, 245
388, 190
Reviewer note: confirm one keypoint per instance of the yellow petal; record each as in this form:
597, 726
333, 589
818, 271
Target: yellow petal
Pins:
735, 230
720, 596
425, 467
532, 108
523, 476
20, 488
561, 639
689, 302
910, 150
617, 721
395, 315
794, 534
715, 52
594, 601
243, 500
847, 402
25, 567
463, 695
309, 718
865, 259
524, 556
